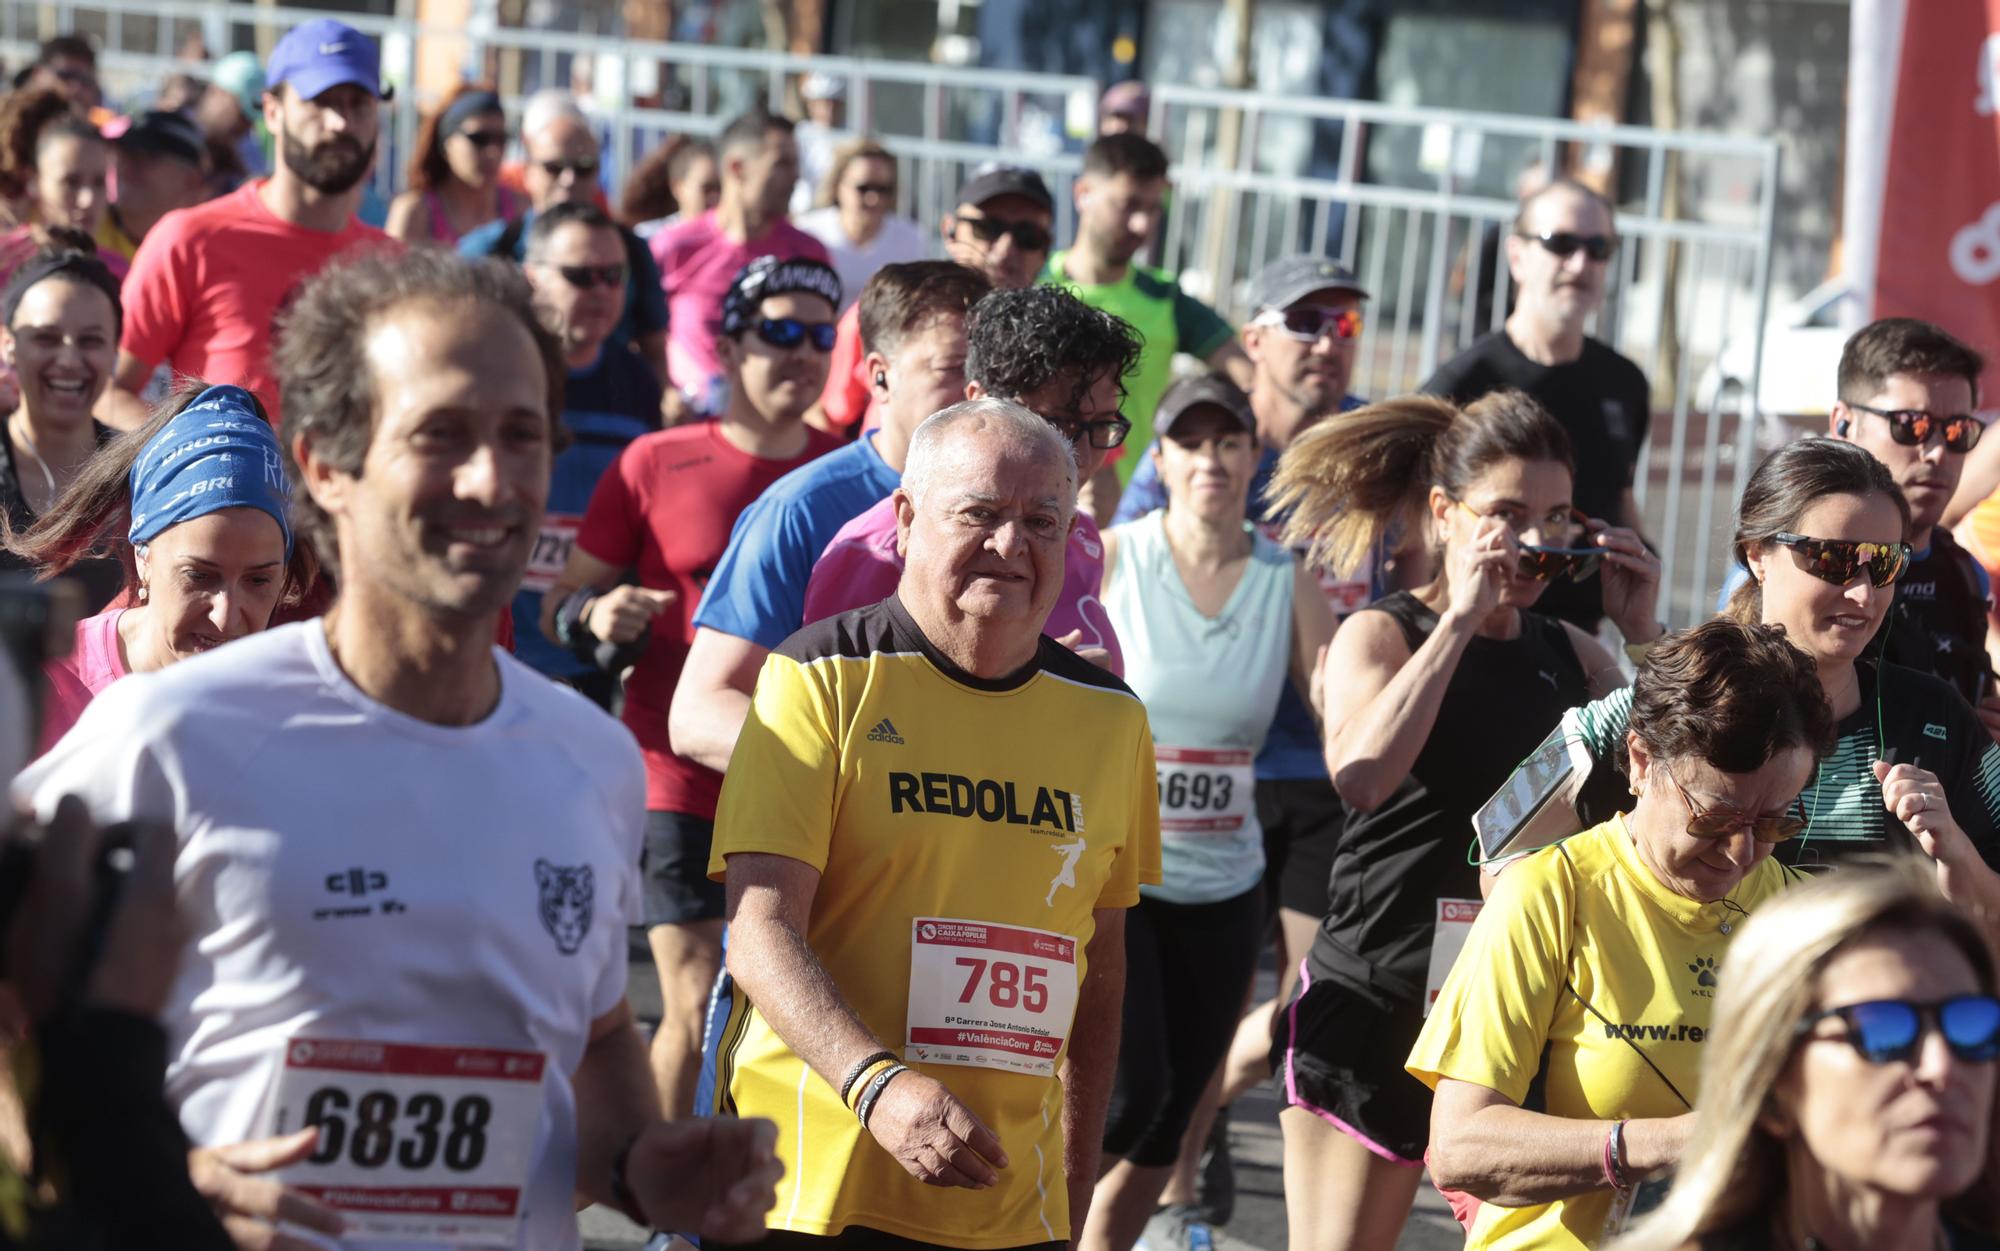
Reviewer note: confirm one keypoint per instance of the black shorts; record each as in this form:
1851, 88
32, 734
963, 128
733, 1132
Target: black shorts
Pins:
853, 1238
674, 868
1301, 819
1340, 1056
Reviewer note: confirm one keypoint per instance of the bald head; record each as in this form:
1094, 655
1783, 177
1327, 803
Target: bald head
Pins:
562, 161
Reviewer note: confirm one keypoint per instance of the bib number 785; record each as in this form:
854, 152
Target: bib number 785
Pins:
1007, 984
371, 1140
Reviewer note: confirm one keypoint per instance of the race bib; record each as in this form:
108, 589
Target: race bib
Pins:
552, 548
990, 996
1454, 925
1203, 792
417, 1143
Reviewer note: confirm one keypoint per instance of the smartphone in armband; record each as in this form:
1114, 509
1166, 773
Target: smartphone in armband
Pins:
1538, 804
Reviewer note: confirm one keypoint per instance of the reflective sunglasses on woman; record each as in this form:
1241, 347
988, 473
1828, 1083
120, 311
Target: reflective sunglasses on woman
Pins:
789, 332
1886, 1030
1545, 564
485, 138
1912, 427
1840, 561
1308, 323
1566, 244
1716, 823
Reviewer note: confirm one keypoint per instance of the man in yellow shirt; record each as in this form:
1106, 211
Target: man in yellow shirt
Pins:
930, 829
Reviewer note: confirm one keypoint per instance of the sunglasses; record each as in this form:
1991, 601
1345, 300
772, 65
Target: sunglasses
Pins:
584, 277
1565, 244
1711, 823
1840, 561
1307, 324
1104, 435
1885, 1030
1544, 564
1027, 235
874, 188
1912, 427
556, 169
789, 332
485, 138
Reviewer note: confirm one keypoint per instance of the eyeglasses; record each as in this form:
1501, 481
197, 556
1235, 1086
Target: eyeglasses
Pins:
1840, 561
1886, 1030
584, 277
487, 139
789, 332
1103, 434
556, 169
1027, 235
1912, 427
1544, 564
866, 189
1308, 323
1714, 823
1566, 244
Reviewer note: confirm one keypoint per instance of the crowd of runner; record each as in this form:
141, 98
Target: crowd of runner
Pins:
967, 669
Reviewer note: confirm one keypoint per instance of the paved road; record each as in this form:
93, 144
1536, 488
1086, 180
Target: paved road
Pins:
1259, 1223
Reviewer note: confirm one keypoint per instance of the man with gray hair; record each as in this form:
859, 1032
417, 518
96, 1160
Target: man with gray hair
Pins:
926, 885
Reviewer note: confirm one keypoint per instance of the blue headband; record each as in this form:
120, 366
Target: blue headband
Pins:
216, 453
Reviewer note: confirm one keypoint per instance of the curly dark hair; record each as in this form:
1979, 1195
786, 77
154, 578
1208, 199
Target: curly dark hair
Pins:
1731, 695
1017, 342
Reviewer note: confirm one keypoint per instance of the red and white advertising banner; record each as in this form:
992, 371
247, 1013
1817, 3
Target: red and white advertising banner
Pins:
1923, 167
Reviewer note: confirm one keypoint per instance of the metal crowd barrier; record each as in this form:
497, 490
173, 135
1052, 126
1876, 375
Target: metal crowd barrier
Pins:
1405, 195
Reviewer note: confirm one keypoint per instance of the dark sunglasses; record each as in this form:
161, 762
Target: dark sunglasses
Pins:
1710, 823
1027, 235
1840, 561
1565, 244
485, 138
875, 188
1103, 435
584, 277
556, 169
1885, 1030
1307, 324
1544, 564
1912, 427
789, 332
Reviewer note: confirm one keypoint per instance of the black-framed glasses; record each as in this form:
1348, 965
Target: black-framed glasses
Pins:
1307, 322
584, 277
1544, 564
1104, 434
1028, 236
484, 138
1883, 1031
789, 332
1566, 244
1714, 823
1912, 427
582, 169
1840, 561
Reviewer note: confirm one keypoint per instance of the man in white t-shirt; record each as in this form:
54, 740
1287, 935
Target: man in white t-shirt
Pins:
408, 861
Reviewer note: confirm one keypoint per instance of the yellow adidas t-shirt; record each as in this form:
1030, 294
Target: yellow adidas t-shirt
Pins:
1588, 913
966, 831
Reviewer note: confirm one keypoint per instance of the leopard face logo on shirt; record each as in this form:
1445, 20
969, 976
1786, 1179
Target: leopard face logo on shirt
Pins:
568, 898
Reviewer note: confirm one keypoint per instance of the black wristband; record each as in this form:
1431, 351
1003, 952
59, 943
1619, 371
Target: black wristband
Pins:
876, 1086
571, 631
860, 1067
621, 1192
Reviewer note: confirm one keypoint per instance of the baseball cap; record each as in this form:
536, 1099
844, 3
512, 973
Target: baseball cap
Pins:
819, 86
1289, 279
240, 74
991, 182
768, 276
317, 55
161, 133
1213, 390
1127, 99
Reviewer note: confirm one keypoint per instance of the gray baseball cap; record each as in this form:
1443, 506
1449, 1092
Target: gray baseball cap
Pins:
1213, 390
1286, 281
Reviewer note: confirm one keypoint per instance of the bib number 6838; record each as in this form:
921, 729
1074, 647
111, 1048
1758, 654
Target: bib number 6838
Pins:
429, 1129
1007, 984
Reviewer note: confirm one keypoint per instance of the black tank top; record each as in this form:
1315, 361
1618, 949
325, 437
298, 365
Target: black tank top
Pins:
1392, 865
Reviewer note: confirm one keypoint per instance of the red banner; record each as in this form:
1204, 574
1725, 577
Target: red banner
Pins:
1938, 246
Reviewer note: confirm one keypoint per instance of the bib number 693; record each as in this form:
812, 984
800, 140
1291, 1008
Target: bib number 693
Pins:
427, 1130
1007, 984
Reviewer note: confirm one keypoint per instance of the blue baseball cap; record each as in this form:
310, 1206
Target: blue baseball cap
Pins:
321, 54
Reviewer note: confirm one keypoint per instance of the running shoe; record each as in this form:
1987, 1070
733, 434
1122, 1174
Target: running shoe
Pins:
1178, 1228
1215, 1188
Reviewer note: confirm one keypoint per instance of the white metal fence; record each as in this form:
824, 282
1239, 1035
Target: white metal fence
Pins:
1408, 196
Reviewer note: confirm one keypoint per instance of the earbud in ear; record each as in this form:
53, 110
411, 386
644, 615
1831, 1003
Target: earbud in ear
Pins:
881, 378
1840, 427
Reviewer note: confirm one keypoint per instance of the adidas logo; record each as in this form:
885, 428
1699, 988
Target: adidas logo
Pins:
884, 732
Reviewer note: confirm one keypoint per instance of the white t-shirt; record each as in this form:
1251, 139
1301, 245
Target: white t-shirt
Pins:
350, 872
900, 239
